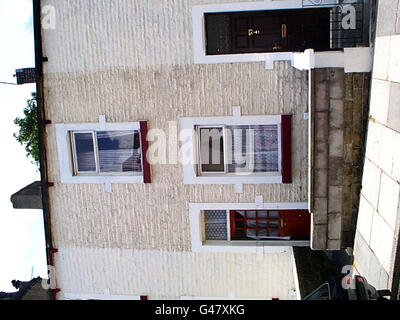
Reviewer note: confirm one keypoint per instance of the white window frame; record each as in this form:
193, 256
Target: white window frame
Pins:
65, 153
228, 153
199, 244
190, 168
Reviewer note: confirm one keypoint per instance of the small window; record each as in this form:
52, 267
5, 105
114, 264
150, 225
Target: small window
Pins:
215, 225
238, 149
106, 152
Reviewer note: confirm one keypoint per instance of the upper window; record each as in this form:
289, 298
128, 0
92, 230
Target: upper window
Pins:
106, 152
238, 149
103, 152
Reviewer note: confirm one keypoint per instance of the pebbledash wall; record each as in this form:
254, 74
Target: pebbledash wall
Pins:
131, 61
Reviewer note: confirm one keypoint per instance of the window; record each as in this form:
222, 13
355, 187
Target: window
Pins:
239, 149
106, 152
215, 227
103, 152
256, 225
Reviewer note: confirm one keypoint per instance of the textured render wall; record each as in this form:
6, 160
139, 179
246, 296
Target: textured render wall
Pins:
169, 275
117, 65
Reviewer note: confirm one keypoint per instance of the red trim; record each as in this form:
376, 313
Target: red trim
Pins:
143, 297
145, 146
286, 147
51, 252
232, 223
53, 293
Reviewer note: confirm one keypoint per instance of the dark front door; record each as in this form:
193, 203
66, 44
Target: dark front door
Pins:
268, 31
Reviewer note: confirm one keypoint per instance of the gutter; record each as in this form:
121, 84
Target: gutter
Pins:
44, 183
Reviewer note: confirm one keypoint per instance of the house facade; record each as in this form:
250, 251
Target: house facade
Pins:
135, 94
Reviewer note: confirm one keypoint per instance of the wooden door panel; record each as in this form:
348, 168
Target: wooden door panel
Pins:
295, 223
262, 31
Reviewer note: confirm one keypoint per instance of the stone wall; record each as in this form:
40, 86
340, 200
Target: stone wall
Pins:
340, 111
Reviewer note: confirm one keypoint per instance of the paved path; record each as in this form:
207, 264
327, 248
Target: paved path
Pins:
377, 233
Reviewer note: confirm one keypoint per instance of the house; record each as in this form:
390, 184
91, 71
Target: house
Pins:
35, 289
179, 158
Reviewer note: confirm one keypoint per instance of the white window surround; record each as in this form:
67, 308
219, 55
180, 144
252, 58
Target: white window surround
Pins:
257, 247
189, 173
327, 59
65, 155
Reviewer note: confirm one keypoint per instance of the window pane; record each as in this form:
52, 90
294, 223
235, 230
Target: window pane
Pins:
274, 214
274, 223
254, 148
117, 152
212, 150
215, 224
217, 31
85, 157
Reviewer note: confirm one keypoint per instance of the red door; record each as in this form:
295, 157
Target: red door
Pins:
270, 224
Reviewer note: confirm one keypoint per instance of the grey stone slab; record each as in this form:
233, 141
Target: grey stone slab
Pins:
321, 126
336, 84
393, 120
335, 199
319, 237
335, 171
320, 217
386, 17
321, 183
336, 113
322, 96
334, 226
336, 139
333, 244
321, 205
321, 155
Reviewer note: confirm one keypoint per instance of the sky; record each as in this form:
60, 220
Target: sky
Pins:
22, 242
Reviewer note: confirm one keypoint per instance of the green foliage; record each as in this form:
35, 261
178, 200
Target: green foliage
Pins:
28, 130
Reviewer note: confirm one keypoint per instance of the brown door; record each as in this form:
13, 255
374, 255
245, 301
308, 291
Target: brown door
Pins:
268, 31
295, 223
270, 224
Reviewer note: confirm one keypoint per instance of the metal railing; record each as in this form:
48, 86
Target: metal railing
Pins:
350, 21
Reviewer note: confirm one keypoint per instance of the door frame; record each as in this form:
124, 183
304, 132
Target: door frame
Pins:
199, 32
237, 246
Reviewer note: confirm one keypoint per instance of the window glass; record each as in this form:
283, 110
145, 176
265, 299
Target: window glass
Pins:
254, 148
117, 152
85, 155
212, 149
215, 224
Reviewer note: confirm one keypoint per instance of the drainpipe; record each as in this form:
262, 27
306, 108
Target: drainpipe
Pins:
45, 184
